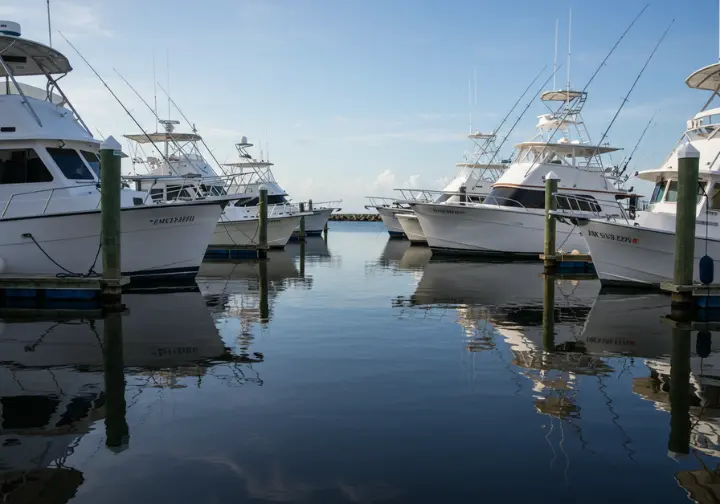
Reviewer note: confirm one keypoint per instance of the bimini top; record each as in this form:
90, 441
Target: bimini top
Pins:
250, 164
707, 78
579, 150
560, 95
164, 137
481, 136
482, 166
25, 57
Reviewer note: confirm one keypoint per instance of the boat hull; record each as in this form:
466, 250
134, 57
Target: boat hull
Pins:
388, 216
315, 223
491, 230
157, 241
411, 227
244, 234
639, 256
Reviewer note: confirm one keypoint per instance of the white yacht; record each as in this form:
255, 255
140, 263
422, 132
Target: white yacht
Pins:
511, 219
639, 249
181, 173
474, 175
49, 185
249, 174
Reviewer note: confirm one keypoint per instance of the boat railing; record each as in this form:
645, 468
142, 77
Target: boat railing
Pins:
382, 201
585, 206
51, 193
319, 205
501, 201
420, 195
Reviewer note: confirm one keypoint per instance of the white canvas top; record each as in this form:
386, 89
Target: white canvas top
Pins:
706, 78
560, 95
164, 137
26, 57
250, 164
582, 150
494, 166
707, 113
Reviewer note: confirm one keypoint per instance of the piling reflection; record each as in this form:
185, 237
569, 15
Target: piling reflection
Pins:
116, 427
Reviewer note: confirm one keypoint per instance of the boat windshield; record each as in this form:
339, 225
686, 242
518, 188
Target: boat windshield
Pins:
658, 191
93, 161
70, 163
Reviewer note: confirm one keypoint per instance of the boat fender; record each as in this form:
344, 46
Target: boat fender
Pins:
703, 344
706, 270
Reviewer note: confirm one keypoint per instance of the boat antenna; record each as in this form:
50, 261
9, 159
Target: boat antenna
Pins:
49, 25
568, 60
170, 100
470, 104
154, 94
627, 160
475, 83
111, 92
555, 54
517, 120
625, 98
167, 71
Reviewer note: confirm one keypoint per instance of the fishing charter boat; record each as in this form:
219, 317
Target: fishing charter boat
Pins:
181, 173
510, 220
637, 248
477, 172
248, 175
49, 185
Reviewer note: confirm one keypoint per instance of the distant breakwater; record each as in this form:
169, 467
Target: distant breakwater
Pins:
355, 217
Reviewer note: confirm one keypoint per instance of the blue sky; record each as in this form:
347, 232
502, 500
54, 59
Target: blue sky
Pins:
357, 98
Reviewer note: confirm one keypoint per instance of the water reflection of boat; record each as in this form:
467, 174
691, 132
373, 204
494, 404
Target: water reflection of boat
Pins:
316, 251
392, 252
54, 381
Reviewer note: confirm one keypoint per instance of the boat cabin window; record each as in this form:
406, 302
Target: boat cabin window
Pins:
659, 191
178, 192
70, 164
93, 161
157, 194
214, 190
22, 166
516, 197
581, 202
671, 194
715, 197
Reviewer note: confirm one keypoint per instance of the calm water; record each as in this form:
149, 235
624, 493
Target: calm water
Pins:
368, 373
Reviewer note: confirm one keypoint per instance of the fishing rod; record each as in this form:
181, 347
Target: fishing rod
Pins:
113, 94
189, 122
627, 160
627, 96
512, 128
157, 118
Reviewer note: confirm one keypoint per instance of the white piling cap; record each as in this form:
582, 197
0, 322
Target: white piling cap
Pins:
551, 175
111, 144
263, 187
688, 151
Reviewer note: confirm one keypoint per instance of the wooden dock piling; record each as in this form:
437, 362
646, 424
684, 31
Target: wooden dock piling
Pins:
262, 223
551, 185
110, 187
116, 426
263, 287
301, 236
679, 442
682, 304
548, 321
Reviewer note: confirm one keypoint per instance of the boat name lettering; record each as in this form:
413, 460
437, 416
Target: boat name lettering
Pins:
448, 211
612, 237
172, 220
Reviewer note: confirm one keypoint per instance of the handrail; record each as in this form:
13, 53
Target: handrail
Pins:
597, 207
51, 190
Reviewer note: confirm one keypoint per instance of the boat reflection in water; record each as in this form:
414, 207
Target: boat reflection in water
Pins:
59, 377
315, 249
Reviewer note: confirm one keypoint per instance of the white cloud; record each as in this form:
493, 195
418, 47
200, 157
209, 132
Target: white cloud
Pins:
385, 180
443, 181
412, 181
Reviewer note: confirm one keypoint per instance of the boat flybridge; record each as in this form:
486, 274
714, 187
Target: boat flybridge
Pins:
249, 175
510, 219
471, 182
179, 172
49, 184
638, 247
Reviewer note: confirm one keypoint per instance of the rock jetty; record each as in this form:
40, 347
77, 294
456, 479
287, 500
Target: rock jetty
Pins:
355, 217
